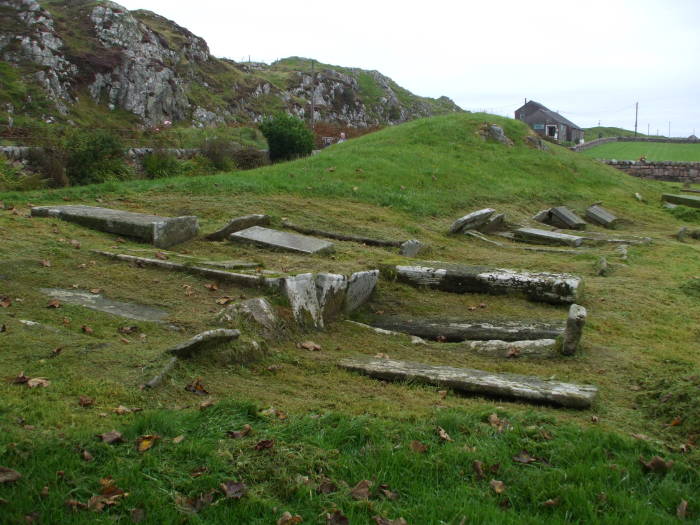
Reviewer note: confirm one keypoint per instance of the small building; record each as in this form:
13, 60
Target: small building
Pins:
549, 123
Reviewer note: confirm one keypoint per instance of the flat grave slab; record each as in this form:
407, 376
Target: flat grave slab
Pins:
280, 240
537, 236
238, 224
472, 220
565, 218
514, 386
685, 200
138, 312
162, 232
599, 215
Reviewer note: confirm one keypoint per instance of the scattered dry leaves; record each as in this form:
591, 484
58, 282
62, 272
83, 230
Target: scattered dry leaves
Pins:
194, 505
233, 489
197, 387
417, 446
336, 518
146, 442
86, 455
264, 444
478, 467
237, 434
87, 330
327, 486
499, 424
111, 437
212, 287
498, 486
8, 475
288, 519
85, 401
55, 352
361, 490
389, 494
656, 464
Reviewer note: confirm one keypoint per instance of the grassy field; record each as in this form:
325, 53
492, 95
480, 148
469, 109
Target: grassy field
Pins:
651, 150
317, 431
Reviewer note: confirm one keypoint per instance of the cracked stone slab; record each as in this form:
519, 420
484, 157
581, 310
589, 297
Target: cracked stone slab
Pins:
203, 341
537, 236
360, 288
472, 221
330, 291
238, 224
138, 312
269, 238
563, 217
162, 232
301, 293
520, 387
258, 310
600, 216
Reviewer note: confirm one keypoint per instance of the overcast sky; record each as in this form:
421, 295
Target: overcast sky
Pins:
590, 60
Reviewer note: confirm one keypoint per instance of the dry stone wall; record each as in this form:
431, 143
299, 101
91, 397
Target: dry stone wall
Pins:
666, 171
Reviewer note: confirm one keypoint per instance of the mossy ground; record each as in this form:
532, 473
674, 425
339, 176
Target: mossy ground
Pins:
406, 182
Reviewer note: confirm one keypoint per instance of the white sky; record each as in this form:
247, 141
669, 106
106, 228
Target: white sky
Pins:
590, 60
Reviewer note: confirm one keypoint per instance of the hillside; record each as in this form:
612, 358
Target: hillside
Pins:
328, 445
96, 63
601, 132
652, 151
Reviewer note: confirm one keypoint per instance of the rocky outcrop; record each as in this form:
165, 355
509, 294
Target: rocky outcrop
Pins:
147, 65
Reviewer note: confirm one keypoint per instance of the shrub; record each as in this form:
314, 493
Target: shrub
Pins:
160, 164
14, 178
94, 157
220, 153
287, 137
249, 158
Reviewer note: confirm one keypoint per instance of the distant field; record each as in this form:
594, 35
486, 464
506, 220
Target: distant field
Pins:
651, 150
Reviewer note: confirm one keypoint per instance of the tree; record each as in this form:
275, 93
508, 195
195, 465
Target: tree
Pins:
287, 137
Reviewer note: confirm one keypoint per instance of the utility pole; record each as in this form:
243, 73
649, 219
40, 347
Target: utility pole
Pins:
669, 129
313, 89
647, 130
636, 114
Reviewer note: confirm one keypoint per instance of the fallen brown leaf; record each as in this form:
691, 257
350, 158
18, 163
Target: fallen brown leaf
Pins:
682, 509
128, 330
87, 330
206, 404
85, 401
336, 518
443, 435
288, 519
327, 487
111, 437
224, 300
55, 352
162, 256
197, 387
75, 244
95, 290
199, 503
120, 239
179, 439
198, 472
54, 303
524, 457
656, 464
417, 446
38, 381
5, 302
497, 486
212, 287
310, 345
264, 444
20, 379
46, 263
8, 475
676, 421
386, 491
237, 434
233, 489
146, 442
361, 490
86, 455
75, 505
551, 502
379, 520
499, 424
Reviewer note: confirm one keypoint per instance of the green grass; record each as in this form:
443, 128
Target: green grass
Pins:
653, 151
410, 181
598, 132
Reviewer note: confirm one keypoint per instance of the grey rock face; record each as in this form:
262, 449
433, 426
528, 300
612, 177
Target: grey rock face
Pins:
537, 236
330, 291
410, 248
520, 387
472, 221
276, 239
360, 288
238, 224
100, 303
301, 293
204, 340
497, 134
160, 231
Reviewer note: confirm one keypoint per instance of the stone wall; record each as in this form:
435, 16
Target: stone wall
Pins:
666, 171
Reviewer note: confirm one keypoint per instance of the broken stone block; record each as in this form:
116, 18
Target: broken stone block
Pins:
276, 239
204, 340
684, 200
411, 248
599, 215
257, 310
542, 348
497, 134
330, 291
537, 236
563, 217
138, 312
472, 221
543, 287
162, 232
360, 288
514, 386
301, 293
495, 223
574, 329
542, 216
238, 224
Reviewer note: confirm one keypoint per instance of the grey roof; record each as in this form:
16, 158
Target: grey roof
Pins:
552, 114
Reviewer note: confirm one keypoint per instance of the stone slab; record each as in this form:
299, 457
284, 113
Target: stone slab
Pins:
472, 220
575, 322
138, 312
360, 288
684, 200
565, 218
537, 236
301, 294
238, 224
541, 348
514, 386
257, 310
331, 289
162, 232
599, 215
276, 239
410, 248
204, 340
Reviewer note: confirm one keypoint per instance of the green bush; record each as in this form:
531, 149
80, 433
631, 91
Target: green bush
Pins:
249, 158
160, 164
220, 152
14, 178
93, 157
287, 137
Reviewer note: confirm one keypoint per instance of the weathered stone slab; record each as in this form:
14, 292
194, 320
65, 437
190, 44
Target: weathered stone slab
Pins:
414, 339
257, 310
411, 248
543, 287
160, 231
100, 303
540, 348
685, 200
203, 341
294, 242
360, 288
238, 224
599, 215
574, 329
472, 221
519, 387
301, 293
494, 224
563, 217
537, 236
453, 331
330, 291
